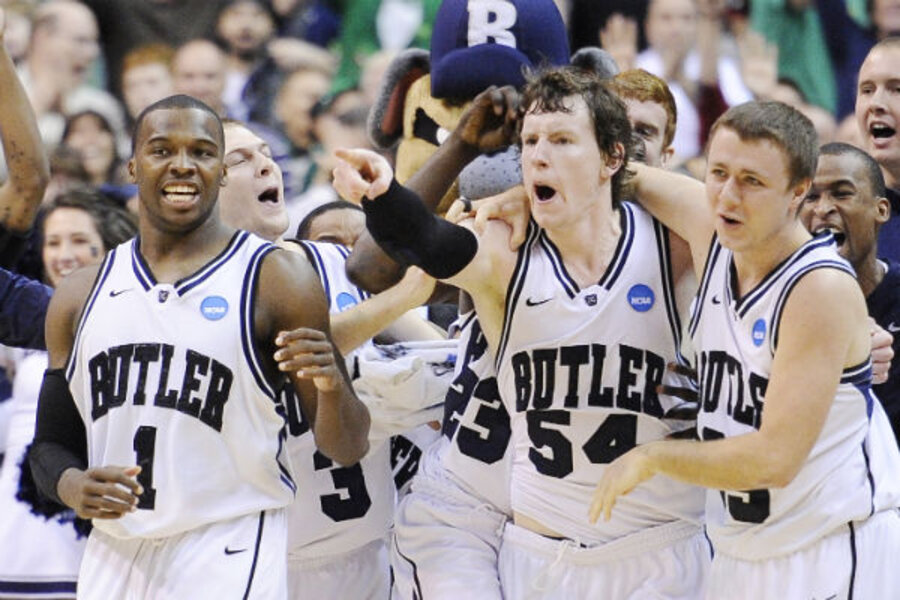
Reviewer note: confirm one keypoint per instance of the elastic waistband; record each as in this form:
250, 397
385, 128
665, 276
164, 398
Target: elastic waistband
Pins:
296, 561
626, 547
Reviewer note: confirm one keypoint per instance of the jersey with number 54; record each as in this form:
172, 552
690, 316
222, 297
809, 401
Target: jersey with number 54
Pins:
578, 370
168, 377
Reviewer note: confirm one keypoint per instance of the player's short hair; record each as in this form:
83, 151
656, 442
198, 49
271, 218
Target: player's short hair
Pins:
306, 224
546, 91
114, 223
638, 84
873, 172
175, 102
780, 124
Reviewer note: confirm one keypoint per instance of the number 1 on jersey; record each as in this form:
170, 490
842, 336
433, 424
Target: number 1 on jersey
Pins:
144, 446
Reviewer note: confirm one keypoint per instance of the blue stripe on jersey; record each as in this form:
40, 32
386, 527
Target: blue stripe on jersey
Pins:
344, 251
259, 533
869, 476
623, 247
37, 588
559, 268
285, 475
102, 274
185, 285
140, 268
746, 303
852, 560
319, 265
712, 256
514, 290
248, 344
775, 325
668, 282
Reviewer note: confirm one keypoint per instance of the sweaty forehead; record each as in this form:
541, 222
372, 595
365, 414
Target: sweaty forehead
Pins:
180, 124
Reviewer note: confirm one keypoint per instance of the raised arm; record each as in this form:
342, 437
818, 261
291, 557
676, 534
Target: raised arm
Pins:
292, 325
489, 124
27, 164
680, 203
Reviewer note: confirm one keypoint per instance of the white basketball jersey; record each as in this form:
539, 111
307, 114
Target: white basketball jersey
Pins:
852, 469
476, 423
337, 509
578, 371
166, 376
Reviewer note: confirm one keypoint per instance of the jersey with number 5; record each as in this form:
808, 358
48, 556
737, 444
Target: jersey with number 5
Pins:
852, 468
578, 369
168, 377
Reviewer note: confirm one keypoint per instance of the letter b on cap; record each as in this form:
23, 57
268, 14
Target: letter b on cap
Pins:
491, 19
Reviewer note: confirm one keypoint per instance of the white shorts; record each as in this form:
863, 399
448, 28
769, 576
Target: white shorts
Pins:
445, 542
245, 557
361, 574
668, 561
858, 562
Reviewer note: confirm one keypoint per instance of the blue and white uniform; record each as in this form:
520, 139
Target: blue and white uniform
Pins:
578, 369
833, 530
167, 376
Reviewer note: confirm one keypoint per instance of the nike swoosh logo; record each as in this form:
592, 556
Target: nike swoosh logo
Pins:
229, 551
893, 327
114, 293
530, 302
715, 300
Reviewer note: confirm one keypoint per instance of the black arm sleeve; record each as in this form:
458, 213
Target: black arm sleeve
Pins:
60, 439
408, 232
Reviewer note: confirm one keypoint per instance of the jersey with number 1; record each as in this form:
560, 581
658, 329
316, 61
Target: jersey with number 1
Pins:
578, 370
167, 376
337, 509
851, 471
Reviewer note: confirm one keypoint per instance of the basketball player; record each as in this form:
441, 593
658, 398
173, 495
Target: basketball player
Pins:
339, 521
581, 333
848, 198
159, 417
796, 450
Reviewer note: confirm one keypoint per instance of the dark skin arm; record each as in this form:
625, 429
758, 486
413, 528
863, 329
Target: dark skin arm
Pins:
292, 327
29, 170
489, 124
106, 492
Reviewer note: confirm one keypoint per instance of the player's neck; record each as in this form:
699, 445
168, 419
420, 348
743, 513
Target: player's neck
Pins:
755, 263
587, 245
174, 256
869, 273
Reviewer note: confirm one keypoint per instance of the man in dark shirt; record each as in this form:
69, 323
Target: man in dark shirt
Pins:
848, 198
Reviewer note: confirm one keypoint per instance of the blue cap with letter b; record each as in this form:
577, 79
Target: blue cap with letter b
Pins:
479, 43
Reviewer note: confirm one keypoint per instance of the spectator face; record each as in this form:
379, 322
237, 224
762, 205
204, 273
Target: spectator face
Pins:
648, 121
299, 92
198, 70
71, 241
747, 187
878, 108
253, 197
145, 84
559, 150
342, 125
178, 168
886, 16
338, 226
69, 43
841, 200
245, 26
671, 25
95, 143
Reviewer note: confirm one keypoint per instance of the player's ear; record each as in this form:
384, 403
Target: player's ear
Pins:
666, 156
799, 193
224, 180
882, 210
131, 176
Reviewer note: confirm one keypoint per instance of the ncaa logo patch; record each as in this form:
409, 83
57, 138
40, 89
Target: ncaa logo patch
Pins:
759, 332
345, 301
214, 307
641, 297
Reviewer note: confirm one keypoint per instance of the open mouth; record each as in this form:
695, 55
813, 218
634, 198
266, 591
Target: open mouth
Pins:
269, 195
544, 192
839, 236
180, 193
880, 131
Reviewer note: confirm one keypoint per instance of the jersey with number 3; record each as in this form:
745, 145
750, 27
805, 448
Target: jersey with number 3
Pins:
337, 509
851, 471
167, 376
579, 370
